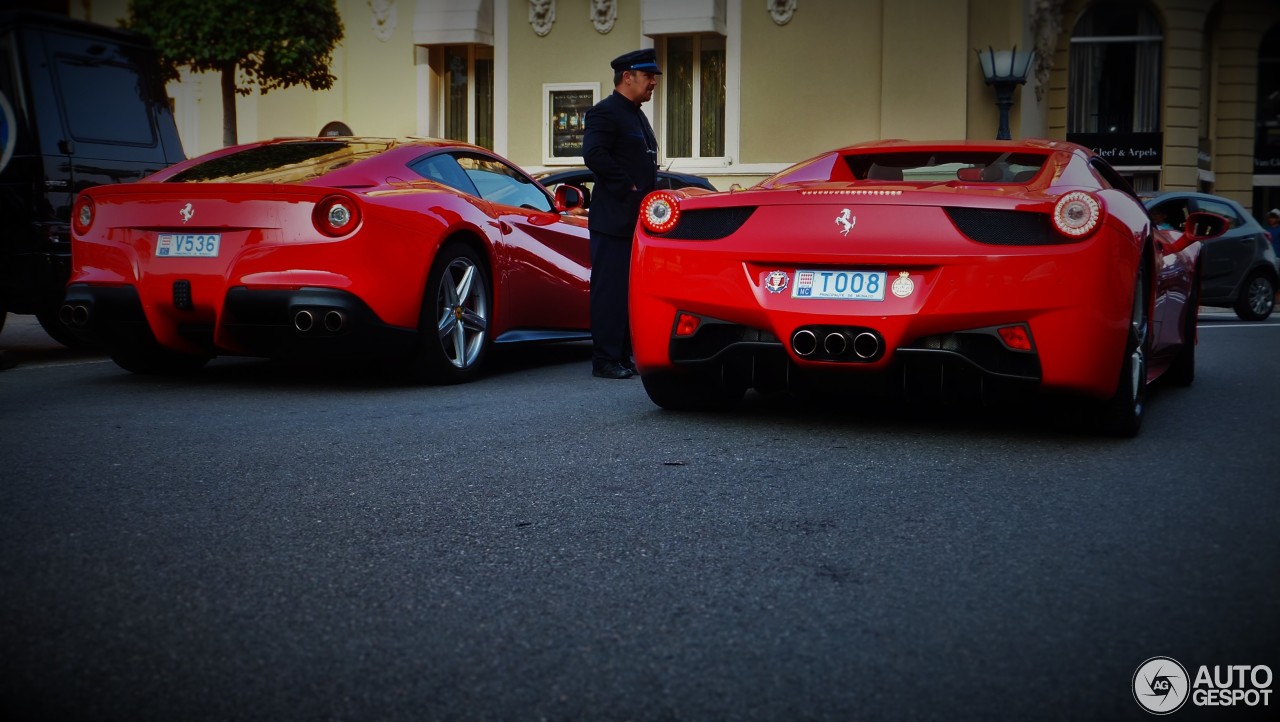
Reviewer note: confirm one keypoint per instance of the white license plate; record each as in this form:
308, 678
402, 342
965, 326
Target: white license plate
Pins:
843, 285
188, 245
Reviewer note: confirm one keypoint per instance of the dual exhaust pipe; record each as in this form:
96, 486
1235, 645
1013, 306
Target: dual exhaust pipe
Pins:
75, 315
837, 344
306, 320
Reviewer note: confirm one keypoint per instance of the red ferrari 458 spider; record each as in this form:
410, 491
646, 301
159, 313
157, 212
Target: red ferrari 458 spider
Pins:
937, 270
423, 252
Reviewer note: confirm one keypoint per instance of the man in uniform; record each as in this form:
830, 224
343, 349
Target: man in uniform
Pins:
621, 150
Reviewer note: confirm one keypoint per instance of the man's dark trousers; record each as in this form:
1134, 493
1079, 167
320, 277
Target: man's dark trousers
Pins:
610, 329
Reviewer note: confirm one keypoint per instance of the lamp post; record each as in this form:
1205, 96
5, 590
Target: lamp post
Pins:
1005, 69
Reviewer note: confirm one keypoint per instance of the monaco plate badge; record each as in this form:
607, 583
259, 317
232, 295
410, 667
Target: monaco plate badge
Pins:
776, 281
903, 286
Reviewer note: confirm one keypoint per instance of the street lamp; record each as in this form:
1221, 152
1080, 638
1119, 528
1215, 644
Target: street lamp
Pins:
1005, 69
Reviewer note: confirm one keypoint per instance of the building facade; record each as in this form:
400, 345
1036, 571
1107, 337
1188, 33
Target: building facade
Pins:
1179, 94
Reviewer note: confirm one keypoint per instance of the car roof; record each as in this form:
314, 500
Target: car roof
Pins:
1152, 198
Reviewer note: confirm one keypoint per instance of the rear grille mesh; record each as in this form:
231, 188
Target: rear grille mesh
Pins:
1007, 228
709, 224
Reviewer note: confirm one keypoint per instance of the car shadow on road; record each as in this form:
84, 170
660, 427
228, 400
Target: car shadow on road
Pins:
1035, 418
354, 374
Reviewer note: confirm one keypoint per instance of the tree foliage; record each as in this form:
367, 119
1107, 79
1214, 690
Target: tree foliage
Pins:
264, 43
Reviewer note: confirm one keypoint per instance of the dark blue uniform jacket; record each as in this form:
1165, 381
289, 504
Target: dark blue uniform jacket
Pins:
622, 152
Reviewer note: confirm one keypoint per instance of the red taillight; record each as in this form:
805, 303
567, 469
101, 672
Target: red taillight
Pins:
660, 212
82, 215
336, 216
1077, 214
1017, 337
686, 324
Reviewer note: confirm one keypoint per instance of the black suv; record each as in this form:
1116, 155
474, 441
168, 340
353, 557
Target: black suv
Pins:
81, 104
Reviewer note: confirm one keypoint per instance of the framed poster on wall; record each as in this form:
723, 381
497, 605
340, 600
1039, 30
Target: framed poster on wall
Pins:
564, 113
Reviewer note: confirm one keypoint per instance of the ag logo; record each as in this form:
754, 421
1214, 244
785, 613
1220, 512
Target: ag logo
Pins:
1160, 685
776, 281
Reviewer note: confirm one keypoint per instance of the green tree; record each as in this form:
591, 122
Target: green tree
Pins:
265, 43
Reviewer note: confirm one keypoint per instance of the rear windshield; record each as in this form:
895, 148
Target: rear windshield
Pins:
280, 163
962, 165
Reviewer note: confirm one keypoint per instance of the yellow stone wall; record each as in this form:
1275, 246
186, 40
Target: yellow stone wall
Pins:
573, 52
812, 84
839, 72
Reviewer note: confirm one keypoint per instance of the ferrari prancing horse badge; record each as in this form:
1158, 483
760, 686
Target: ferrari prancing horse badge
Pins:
846, 222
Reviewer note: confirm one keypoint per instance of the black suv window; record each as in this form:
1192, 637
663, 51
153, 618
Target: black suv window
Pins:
88, 87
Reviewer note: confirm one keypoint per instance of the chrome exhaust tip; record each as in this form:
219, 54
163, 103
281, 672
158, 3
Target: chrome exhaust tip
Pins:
866, 345
835, 344
804, 342
73, 314
304, 321
334, 321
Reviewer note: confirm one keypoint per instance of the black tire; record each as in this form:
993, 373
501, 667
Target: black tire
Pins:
59, 332
453, 326
1183, 370
150, 358
693, 391
1257, 297
1122, 414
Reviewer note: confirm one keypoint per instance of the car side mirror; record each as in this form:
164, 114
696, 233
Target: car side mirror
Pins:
1202, 225
568, 198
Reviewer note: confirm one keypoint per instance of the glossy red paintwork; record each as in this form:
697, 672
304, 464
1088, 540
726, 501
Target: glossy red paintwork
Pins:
1076, 298
538, 260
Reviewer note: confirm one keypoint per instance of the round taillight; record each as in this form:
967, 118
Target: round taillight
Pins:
1077, 214
336, 216
660, 212
82, 215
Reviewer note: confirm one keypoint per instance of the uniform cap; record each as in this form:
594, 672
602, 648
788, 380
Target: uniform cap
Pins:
644, 59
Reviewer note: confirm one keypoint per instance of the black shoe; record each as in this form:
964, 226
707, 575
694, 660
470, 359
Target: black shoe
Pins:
612, 371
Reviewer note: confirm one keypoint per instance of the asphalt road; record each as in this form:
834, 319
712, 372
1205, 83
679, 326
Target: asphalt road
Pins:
272, 542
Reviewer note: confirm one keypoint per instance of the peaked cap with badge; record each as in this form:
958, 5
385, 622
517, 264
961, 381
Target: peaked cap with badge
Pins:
645, 59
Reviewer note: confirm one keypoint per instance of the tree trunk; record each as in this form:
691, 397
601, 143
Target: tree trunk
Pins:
229, 105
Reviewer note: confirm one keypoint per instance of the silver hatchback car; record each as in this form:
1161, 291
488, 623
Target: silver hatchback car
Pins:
1239, 269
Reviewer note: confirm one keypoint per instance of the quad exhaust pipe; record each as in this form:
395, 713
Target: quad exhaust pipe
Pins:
837, 344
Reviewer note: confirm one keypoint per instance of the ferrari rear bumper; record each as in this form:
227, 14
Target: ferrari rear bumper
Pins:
281, 323
969, 365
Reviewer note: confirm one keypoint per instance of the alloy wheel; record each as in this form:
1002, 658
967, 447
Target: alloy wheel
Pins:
463, 313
